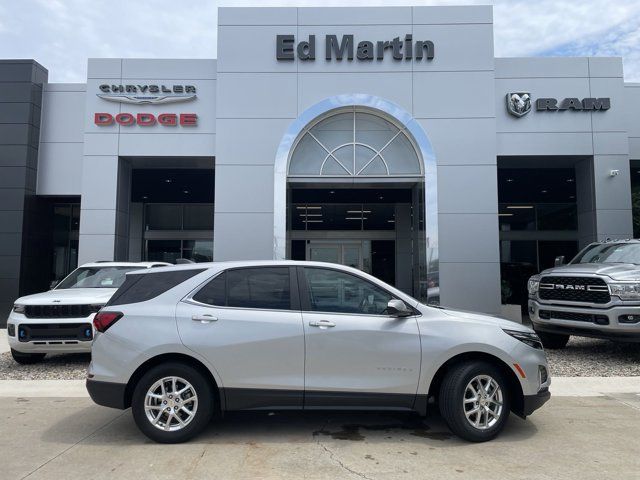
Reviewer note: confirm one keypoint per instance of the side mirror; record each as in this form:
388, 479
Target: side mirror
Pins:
559, 261
53, 284
397, 308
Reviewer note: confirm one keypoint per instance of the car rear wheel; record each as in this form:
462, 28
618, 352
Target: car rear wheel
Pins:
172, 403
475, 401
27, 358
553, 341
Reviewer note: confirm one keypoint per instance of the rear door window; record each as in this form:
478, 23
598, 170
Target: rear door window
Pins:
260, 287
143, 287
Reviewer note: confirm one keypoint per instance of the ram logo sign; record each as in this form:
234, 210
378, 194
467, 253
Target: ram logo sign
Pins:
519, 103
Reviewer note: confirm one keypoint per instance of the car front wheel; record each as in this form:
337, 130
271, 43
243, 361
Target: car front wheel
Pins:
27, 358
172, 403
475, 400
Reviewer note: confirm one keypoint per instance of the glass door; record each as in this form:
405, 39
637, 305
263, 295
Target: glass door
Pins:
343, 253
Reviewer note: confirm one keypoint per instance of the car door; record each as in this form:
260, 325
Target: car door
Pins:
356, 354
247, 323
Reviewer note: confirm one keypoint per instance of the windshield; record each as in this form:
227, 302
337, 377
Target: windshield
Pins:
96, 277
610, 253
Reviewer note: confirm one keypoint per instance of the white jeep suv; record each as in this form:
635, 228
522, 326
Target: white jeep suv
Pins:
59, 321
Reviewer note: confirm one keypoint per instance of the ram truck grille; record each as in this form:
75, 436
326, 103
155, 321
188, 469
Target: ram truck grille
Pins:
574, 289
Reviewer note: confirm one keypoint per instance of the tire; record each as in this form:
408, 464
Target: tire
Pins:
27, 358
553, 341
194, 424
453, 408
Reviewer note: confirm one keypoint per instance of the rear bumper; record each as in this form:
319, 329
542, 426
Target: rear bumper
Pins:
108, 394
531, 403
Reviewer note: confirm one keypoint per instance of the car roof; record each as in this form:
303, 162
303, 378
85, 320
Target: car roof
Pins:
219, 266
124, 264
250, 263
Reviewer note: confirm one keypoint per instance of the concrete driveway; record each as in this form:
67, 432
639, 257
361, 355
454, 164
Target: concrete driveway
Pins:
588, 435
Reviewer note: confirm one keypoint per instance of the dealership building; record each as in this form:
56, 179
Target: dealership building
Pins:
390, 139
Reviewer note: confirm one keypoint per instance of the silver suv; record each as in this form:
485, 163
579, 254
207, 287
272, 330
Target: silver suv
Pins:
182, 343
596, 295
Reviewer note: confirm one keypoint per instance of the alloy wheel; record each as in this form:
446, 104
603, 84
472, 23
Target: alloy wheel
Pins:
171, 404
483, 402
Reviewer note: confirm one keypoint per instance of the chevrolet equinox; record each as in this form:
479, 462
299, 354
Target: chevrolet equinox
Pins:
180, 343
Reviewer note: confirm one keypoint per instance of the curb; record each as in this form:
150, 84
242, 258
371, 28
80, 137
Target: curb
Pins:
560, 387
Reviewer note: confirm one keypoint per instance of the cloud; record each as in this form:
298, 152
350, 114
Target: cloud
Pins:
62, 34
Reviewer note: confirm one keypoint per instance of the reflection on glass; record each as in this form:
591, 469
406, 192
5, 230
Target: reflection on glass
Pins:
540, 216
355, 216
176, 216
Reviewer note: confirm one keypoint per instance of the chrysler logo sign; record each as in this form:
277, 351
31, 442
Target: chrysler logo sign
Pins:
519, 104
147, 94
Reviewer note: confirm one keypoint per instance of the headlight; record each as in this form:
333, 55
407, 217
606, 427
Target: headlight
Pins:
533, 285
18, 308
529, 338
626, 291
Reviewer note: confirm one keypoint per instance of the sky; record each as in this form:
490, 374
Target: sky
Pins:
62, 34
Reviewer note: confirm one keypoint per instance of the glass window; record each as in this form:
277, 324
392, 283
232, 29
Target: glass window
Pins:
96, 277
164, 217
264, 287
610, 253
214, 292
354, 144
557, 216
333, 291
198, 250
140, 288
198, 217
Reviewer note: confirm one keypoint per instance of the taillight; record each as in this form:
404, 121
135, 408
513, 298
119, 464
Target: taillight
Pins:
103, 320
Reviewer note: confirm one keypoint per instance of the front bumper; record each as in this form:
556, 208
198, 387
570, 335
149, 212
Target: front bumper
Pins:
584, 321
50, 335
108, 394
531, 403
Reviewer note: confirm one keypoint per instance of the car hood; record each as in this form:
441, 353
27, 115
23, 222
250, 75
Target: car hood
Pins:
616, 271
486, 319
69, 296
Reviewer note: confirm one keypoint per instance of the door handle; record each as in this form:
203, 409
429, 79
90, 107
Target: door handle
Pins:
321, 323
204, 318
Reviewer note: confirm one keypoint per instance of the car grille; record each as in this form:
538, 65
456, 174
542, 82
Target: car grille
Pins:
574, 289
574, 316
57, 311
55, 331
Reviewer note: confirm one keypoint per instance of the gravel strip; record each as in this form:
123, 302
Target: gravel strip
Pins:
582, 357
53, 367
590, 357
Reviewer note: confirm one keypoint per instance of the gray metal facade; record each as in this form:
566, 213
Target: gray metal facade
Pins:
247, 100
21, 83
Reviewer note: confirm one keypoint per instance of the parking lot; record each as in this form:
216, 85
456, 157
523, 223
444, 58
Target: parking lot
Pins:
51, 429
590, 437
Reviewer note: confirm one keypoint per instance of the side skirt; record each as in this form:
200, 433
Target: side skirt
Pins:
261, 399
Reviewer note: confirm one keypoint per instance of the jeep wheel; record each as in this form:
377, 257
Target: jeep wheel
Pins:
172, 403
553, 341
475, 401
27, 358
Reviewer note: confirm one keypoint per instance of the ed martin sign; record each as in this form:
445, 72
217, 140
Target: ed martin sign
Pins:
344, 46
147, 94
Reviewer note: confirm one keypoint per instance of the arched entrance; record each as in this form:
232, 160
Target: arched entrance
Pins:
355, 183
